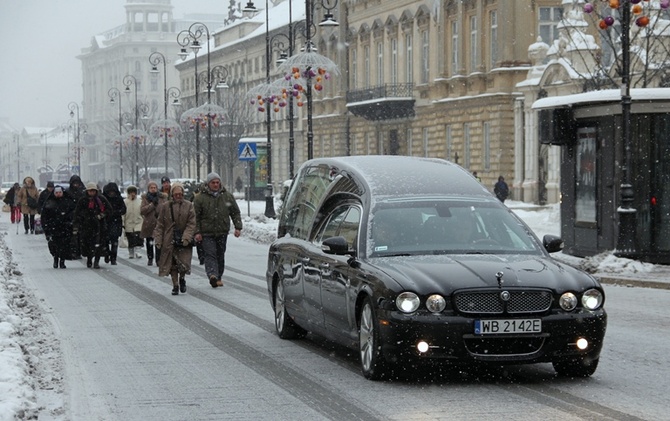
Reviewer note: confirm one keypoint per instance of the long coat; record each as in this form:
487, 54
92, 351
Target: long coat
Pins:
132, 220
90, 220
57, 215
184, 219
115, 221
28, 189
149, 211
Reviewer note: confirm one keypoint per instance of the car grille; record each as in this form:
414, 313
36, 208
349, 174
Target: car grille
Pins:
490, 302
492, 347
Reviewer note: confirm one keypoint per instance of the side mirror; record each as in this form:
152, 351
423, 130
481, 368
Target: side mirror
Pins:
335, 245
552, 243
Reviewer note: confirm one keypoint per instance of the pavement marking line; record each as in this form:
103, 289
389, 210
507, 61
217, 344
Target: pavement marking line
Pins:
313, 394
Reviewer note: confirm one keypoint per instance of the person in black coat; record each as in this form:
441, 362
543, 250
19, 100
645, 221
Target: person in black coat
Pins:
115, 221
501, 189
90, 223
57, 214
44, 194
76, 191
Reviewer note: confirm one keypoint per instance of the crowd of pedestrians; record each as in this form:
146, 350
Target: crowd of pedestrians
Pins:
82, 221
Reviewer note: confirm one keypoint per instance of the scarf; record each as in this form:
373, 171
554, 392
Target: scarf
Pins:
92, 202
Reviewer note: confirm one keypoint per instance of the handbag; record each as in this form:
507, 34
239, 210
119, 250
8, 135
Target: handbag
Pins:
31, 201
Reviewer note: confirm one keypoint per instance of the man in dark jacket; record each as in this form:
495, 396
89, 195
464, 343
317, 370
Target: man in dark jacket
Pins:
114, 222
215, 207
43, 196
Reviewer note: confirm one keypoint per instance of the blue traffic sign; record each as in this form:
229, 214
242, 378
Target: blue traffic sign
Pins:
247, 151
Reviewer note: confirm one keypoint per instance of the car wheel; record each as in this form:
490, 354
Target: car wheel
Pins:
373, 364
285, 326
576, 368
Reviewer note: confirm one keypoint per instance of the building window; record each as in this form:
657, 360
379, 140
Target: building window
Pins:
487, 146
367, 144
425, 141
154, 84
354, 68
466, 145
380, 143
474, 47
394, 61
366, 59
380, 64
449, 142
354, 146
493, 16
425, 57
548, 24
454, 48
409, 62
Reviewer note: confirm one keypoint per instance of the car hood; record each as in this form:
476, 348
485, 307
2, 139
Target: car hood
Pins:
447, 273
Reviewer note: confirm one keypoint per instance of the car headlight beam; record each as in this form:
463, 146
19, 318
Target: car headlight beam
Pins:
592, 299
407, 302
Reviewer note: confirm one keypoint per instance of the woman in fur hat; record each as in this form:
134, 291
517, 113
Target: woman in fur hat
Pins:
90, 223
175, 227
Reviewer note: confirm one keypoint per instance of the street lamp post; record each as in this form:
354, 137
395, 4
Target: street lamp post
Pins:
72, 106
115, 93
191, 37
129, 80
156, 58
69, 126
627, 238
46, 149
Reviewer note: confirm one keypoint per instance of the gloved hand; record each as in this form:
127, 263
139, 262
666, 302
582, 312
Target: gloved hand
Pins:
185, 242
75, 231
48, 237
100, 216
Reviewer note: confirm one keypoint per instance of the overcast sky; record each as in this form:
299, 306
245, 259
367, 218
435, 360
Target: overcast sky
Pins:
41, 40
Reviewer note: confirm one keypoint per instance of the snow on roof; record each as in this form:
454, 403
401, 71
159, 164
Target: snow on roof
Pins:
608, 95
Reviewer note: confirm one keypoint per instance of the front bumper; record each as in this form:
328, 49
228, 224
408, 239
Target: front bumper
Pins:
452, 337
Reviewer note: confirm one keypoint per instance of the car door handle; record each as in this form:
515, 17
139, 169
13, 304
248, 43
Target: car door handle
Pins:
305, 260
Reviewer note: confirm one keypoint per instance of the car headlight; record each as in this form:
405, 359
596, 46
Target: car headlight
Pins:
592, 299
407, 302
568, 301
436, 303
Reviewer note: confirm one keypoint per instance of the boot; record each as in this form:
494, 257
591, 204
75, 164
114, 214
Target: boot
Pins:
62, 263
182, 284
137, 253
175, 284
55, 262
150, 261
96, 264
89, 261
131, 252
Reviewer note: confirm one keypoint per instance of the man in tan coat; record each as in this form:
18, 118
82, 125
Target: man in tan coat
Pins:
175, 228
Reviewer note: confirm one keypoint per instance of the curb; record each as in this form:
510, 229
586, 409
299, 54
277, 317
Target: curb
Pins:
624, 282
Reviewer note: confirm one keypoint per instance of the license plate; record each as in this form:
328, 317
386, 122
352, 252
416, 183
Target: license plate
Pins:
507, 326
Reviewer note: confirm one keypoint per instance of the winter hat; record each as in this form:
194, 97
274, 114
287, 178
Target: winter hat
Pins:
213, 176
50, 184
58, 188
177, 186
131, 189
165, 179
91, 186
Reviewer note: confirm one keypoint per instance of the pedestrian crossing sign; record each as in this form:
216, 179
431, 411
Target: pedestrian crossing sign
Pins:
247, 151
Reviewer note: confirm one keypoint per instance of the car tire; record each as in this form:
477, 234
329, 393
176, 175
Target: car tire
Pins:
576, 368
373, 364
285, 326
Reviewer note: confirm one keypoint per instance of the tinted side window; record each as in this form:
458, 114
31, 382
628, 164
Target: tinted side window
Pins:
305, 194
343, 221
